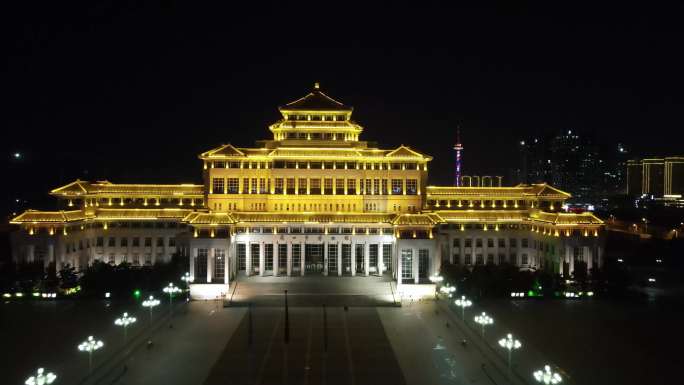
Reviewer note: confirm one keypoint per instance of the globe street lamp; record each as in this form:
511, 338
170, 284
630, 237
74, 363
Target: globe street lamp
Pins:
447, 290
151, 302
463, 303
484, 320
546, 376
171, 290
124, 321
41, 378
188, 280
436, 279
90, 345
509, 343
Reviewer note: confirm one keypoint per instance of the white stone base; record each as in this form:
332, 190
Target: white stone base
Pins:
417, 291
206, 291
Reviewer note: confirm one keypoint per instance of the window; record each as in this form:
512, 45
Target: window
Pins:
513, 259
376, 186
219, 263
396, 166
457, 258
148, 259
263, 188
241, 251
148, 242
457, 242
490, 259
111, 242
479, 259
136, 242
502, 259
233, 186
490, 242
351, 186
217, 185
478, 242
339, 186
315, 187
253, 186
411, 186
578, 253
406, 263
278, 188
160, 242
525, 242
332, 258
245, 185
524, 259
172, 242
469, 242
368, 187
219, 164
513, 242
302, 185
468, 259
502, 242
124, 242
384, 187
397, 186
100, 242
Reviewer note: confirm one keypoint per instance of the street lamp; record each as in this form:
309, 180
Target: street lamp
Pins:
436, 279
484, 320
41, 378
546, 376
90, 345
171, 290
188, 280
509, 343
447, 290
151, 302
124, 321
463, 303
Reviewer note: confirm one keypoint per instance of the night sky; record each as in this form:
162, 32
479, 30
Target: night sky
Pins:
131, 93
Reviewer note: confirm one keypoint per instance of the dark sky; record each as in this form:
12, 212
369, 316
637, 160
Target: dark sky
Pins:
132, 93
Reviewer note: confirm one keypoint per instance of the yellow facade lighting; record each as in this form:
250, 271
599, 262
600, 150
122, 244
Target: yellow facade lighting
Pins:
64, 231
31, 231
196, 233
71, 204
211, 234
462, 227
104, 226
52, 231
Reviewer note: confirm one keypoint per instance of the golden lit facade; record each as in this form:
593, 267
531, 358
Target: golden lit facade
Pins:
314, 199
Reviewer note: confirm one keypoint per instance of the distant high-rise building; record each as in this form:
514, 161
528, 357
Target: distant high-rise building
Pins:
655, 176
567, 160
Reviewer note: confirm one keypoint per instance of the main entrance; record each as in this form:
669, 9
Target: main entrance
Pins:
314, 258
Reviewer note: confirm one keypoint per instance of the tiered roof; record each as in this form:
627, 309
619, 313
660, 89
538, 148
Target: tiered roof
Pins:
84, 188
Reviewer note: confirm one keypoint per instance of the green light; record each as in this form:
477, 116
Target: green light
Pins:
136, 293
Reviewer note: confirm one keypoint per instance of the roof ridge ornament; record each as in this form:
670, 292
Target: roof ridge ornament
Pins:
317, 86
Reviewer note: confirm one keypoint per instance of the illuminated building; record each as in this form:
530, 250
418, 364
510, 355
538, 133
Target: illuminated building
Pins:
314, 199
656, 176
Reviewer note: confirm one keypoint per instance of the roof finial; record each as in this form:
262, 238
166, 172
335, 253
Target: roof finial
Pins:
317, 86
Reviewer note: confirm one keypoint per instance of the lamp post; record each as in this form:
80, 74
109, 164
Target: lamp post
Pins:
124, 321
41, 378
188, 280
463, 303
510, 344
90, 345
171, 290
546, 376
150, 303
484, 320
436, 279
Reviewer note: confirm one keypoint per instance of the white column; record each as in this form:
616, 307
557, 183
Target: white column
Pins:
353, 259
276, 262
325, 258
30, 253
366, 258
50, 256
210, 264
262, 259
381, 265
302, 258
415, 261
248, 259
289, 259
398, 268
339, 256
587, 256
227, 258
193, 256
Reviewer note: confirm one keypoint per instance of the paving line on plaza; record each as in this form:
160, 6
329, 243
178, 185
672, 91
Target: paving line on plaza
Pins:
267, 354
307, 360
348, 345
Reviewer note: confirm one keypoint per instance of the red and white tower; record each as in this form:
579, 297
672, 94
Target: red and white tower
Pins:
459, 148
